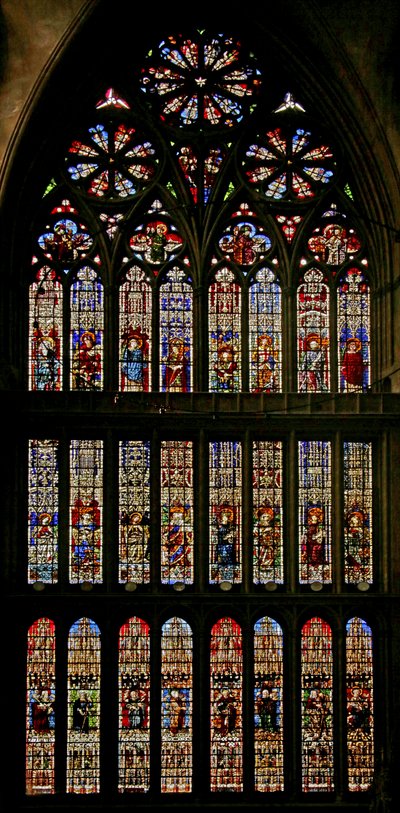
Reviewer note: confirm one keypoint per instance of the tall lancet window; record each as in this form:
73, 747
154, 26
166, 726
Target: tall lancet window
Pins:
226, 675
176, 707
83, 739
134, 707
40, 708
317, 707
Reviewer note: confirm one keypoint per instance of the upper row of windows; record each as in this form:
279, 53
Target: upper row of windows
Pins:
173, 242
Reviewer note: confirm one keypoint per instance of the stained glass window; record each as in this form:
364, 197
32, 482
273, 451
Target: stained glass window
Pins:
226, 675
357, 472
83, 739
353, 305
113, 160
87, 317
317, 706
267, 512
43, 511
359, 705
224, 320
134, 502
135, 314
225, 466
134, 707
243, 239
265, 329
268, 705
313, 336
176, 706
86, 505
205, 80
156, 239
177, 555
289, 163
45, 331
40, 708
176, 328
315, 562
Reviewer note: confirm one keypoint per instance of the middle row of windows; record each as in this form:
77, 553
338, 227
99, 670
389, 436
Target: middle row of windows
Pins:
234, 525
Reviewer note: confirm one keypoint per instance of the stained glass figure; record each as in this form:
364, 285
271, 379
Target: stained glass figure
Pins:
267, 512
157, 240
289, 163
313, 332
87, 329
45, 331
66, 240
83, 737
134, 504
317, 707
354, 330
176, 706
224, 320
265, 332
315, 554
40, 708
244, 242
134, 707
268, 706
359, 705
203, 81
86, 506
225, 468
226, 726
334, 243
135, 314
177, 512
43, 511
176, 332
357, 474
113, 160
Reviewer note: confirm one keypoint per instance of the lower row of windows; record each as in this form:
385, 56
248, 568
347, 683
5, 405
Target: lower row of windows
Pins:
227, 665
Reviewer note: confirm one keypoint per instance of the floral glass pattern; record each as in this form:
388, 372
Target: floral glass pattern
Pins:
113, 160
203, 81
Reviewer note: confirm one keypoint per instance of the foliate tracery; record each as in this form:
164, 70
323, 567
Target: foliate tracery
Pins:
191, 183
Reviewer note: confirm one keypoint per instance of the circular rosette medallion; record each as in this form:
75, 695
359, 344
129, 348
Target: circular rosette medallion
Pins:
289, 164
203, 81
